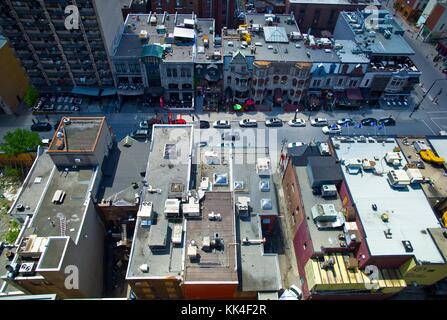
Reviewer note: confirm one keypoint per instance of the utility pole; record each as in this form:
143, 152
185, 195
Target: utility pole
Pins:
425, 94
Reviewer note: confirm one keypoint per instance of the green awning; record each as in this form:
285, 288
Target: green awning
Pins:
86, 91
152, 50
237, 107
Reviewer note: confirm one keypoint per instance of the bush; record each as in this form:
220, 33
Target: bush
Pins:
13, 232
31, 96
11, 172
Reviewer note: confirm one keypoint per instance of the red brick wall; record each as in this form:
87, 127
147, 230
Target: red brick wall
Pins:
433, 19
292, 197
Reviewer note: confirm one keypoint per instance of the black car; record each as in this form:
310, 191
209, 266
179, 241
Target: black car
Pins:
204, 124
273, 122
41, 126
369, 122
387, 121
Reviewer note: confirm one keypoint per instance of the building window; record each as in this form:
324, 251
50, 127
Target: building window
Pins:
328, 82
366, 82
340, 82
229, 79
168, 73
316, 83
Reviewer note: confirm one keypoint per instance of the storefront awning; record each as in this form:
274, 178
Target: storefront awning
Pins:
93, 92
354, 94
108, 92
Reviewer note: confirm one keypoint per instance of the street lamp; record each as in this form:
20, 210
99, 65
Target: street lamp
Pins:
425, 94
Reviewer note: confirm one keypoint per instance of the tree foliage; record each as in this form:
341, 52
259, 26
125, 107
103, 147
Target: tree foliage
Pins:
20, 141
31, 96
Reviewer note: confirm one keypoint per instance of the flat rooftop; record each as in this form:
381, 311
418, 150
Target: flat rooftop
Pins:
346, 55
438, 189
213, 265
410, 214
246, 177
77, 134
125, 164
76, 184
131, 45
395, 44
335, 2
321, 238
34, 186
280, 49
259, 270
163, 169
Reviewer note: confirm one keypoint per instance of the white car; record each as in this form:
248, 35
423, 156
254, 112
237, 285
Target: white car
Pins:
333, 128
318, 122
248, 123
295, 144
297, 123
222, 124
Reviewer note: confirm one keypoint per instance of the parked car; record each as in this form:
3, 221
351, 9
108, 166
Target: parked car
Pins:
369, 122
387, 121
140, 134
41, 126
273, 122
318, 122
344, 121
248, 123
332, 129
204, 124
297, 123
222, 124
295, 144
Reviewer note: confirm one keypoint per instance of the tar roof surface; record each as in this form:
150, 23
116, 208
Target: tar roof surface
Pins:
161, 173
409, 211
259, 271
32, 189
244, 170
263, 52
347, 56
75, 184
81, 134
327, 238
439, 187
216, 265
123, 166
131, 45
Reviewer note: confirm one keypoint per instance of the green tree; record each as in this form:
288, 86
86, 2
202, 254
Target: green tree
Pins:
31, 96
20, 141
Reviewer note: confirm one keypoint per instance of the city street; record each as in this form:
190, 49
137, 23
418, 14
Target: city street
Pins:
428, 120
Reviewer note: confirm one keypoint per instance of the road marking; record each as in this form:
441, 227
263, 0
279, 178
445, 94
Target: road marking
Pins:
430, 112
428, 127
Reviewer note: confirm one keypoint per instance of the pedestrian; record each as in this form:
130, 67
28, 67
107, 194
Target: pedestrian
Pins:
192, 118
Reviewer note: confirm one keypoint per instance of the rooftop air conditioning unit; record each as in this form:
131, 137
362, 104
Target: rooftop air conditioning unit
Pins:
58, 197
328, 190
398, 178
243, 206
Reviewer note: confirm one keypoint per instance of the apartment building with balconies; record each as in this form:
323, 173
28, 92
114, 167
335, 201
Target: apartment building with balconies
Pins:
58, 53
